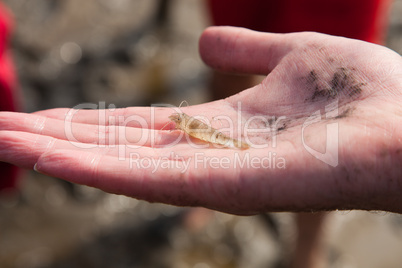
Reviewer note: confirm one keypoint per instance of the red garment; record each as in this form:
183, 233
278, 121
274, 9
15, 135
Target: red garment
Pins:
359, 19
8, 173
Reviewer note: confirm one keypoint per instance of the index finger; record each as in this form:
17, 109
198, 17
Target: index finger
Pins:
138, 117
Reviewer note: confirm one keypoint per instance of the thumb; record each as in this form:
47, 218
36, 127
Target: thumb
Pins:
241, 50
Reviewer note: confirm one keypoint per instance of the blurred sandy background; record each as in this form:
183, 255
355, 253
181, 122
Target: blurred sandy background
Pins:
136, 53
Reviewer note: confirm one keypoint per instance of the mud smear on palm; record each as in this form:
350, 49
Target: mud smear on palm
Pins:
342, 86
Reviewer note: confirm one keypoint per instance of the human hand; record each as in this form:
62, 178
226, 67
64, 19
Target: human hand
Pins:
355, 86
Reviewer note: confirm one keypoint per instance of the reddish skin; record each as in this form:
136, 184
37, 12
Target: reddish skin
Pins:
369, 173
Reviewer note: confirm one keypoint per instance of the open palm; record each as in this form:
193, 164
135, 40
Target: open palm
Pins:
324, 129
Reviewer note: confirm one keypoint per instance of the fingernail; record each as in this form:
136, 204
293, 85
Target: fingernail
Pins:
35, 167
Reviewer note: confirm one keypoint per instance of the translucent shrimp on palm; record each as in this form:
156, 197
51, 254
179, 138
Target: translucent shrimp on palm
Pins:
197, 129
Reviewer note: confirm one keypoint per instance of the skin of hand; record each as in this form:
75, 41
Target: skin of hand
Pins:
339, 97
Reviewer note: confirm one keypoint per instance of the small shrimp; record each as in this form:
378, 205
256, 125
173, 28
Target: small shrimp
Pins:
197, 129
